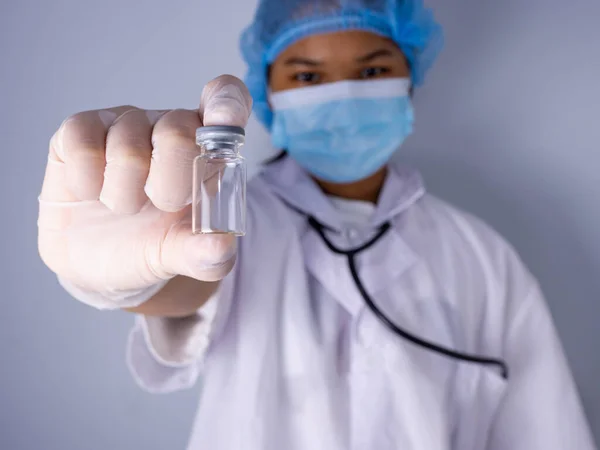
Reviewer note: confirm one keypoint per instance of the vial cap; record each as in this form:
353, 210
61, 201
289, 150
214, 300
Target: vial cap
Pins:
220, 129
222, 133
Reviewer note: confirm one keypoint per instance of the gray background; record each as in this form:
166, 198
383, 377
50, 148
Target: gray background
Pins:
508, 129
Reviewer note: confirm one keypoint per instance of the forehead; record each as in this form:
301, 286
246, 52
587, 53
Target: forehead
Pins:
338, 45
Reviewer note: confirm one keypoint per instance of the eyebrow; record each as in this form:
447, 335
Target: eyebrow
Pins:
373, 55
302, 62
298, 61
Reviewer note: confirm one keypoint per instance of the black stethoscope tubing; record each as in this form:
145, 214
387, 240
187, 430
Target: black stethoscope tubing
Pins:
351, 255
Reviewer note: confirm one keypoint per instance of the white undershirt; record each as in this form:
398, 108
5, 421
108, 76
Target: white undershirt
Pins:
354, 213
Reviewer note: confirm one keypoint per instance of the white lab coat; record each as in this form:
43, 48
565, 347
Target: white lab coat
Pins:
294, 360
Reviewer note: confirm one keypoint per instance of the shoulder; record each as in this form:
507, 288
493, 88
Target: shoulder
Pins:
434, 221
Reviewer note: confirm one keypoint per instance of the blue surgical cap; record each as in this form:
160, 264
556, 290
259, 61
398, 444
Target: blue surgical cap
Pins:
280, 23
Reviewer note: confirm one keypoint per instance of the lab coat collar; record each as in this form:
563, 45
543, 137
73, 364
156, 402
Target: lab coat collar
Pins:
403, 187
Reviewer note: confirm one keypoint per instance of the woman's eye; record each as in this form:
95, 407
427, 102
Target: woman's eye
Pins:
307, 77
373, 72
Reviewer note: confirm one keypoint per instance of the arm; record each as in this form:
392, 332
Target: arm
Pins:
173, 331
181, 297
541, 408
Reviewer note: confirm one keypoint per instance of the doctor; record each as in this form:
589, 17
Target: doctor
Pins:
359, 312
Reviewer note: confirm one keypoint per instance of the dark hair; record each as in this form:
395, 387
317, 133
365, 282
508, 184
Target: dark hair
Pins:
278, 157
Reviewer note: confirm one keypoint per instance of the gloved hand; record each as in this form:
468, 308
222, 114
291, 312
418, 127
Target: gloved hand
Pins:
115, 214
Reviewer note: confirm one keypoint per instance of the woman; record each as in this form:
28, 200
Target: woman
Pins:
432, 336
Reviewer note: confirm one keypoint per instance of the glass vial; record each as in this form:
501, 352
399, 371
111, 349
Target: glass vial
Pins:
219, 195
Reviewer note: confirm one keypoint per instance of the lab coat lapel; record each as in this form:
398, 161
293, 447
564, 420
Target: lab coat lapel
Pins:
381, 264
301, 193
403, 187
293, 185
331, 270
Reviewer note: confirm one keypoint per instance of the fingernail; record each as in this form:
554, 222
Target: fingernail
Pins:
210, 252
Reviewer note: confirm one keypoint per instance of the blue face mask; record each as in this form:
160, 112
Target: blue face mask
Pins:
343, 132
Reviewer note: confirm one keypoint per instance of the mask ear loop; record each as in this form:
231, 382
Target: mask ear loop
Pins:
351, 255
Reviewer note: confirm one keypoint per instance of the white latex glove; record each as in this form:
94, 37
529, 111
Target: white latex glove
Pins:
115, 214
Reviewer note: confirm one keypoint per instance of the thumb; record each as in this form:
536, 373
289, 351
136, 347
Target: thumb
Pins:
207, 257
225, 101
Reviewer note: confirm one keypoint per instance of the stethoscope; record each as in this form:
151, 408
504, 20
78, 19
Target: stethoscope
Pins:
351, 255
